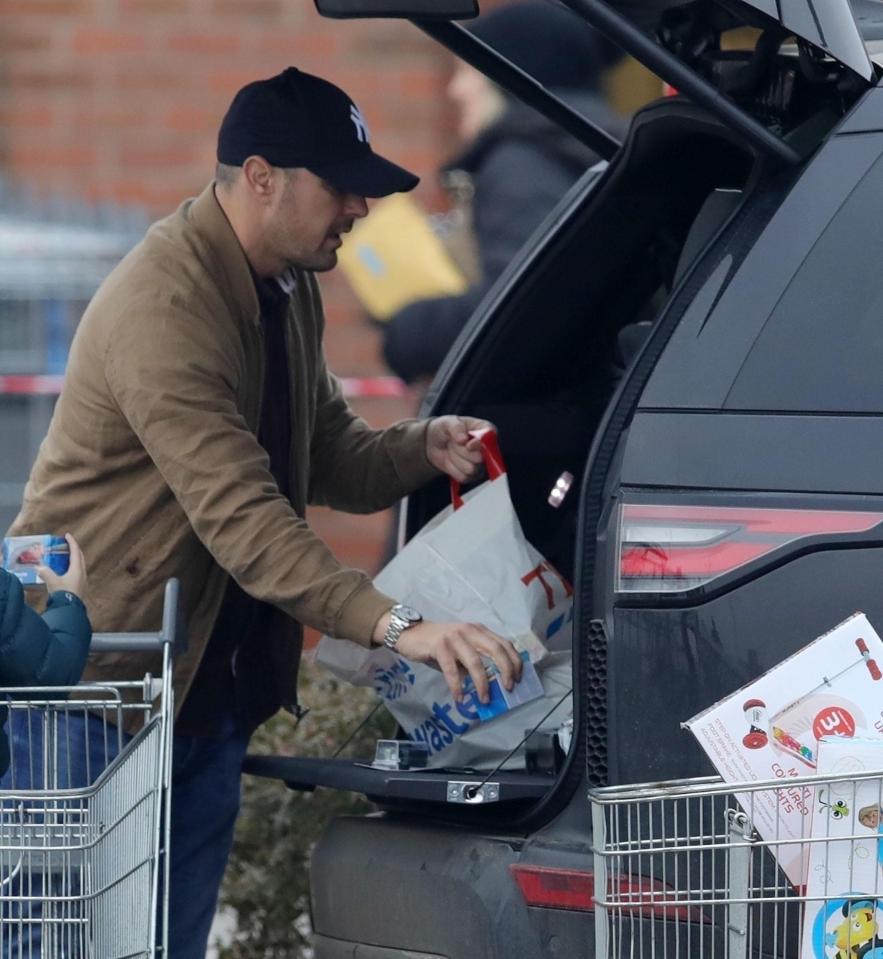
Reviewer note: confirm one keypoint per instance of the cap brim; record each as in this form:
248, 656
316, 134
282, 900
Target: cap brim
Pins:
368, 175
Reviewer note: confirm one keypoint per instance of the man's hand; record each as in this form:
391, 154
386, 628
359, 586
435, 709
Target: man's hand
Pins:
456, 649
451, 449
74, 580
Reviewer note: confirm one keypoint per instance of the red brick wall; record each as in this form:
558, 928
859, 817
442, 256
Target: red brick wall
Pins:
120, 100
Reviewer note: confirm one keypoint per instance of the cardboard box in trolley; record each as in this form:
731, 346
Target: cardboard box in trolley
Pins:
770, 729
844, 884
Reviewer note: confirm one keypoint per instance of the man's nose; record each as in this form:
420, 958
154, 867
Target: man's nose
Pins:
355, 205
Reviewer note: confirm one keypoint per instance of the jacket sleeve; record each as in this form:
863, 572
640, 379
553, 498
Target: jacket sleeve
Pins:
176, 386
359, 469
45, 650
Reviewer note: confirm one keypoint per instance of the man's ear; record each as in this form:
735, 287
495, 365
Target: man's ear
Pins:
258, 176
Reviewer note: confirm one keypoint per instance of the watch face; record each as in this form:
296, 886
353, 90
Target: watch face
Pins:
408, 613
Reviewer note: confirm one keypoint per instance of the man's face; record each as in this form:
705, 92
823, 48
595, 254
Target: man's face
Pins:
304, 225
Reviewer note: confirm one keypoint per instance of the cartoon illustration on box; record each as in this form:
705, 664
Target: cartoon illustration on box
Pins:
837, 807
871, 817
755, 715
844, 887
847, 929
796, 730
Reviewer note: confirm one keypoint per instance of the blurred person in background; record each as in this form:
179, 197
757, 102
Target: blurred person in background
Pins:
514, 167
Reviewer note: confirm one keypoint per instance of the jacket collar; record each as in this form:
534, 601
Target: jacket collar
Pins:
210, 220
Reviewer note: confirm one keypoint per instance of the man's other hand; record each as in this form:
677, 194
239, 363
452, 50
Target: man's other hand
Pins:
451, 449
457, 649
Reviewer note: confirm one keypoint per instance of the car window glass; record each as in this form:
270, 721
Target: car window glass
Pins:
820, 349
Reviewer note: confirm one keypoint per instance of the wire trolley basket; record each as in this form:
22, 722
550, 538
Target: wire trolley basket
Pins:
702, 868
84, 811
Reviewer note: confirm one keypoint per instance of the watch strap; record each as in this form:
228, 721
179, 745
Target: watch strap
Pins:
397, 625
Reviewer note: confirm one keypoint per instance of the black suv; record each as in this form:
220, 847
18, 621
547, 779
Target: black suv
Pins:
696, 334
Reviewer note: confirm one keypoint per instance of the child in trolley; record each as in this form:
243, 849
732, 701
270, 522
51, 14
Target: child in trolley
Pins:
37, 652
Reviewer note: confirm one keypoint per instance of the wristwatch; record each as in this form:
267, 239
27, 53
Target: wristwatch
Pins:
401, 617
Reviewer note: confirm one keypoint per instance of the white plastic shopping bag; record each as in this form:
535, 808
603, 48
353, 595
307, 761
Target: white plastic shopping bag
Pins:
471, 563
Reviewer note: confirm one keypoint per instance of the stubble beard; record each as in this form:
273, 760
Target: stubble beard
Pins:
320, 262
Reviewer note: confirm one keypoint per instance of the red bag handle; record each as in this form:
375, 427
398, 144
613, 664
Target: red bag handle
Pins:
493, 461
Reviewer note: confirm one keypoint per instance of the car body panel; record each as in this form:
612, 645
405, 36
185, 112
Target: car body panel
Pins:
716, 646
826, 371
328, 947
706, 352
867, 115
731, 451
446, 891
450, 890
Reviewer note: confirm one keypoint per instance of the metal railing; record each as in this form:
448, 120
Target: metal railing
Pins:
53, 255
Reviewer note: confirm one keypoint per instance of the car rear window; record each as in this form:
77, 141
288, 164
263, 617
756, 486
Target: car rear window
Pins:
822, 348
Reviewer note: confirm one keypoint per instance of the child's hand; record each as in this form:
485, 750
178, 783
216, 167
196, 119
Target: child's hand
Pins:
74, 580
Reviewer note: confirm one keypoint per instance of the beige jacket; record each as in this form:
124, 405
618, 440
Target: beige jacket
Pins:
152, 461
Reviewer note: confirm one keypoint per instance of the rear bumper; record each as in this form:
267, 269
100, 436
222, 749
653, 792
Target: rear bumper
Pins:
388, 889
326, 948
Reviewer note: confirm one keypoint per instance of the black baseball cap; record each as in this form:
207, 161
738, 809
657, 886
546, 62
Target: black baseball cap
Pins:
298, 120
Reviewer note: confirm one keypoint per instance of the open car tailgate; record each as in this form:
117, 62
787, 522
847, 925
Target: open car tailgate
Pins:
458, 787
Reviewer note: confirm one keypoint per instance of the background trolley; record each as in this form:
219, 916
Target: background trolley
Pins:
84, 830
686, 869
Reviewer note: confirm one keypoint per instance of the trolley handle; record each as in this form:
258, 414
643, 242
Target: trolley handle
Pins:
172, 633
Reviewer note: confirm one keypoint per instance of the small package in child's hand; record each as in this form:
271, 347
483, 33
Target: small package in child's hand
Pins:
844, 886
23, 554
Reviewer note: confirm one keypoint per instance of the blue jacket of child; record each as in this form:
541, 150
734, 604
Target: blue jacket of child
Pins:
35, 650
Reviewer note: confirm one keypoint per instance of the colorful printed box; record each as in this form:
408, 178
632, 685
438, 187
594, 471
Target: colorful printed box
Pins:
770, 729
845, 855
23, 554
501, 701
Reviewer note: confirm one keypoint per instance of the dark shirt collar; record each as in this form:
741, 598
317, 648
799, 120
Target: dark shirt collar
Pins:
273, 292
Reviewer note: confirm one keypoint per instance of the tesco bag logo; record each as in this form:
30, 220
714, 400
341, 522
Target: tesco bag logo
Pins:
394, 681
545, 574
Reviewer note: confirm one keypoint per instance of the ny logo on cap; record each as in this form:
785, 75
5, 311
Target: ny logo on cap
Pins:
361, 126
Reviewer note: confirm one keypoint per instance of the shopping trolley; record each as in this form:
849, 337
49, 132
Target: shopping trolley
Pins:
681, 870
84, 828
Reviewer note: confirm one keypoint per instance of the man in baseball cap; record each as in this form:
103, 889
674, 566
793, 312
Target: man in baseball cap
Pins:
200, 418
298, 120
294, 167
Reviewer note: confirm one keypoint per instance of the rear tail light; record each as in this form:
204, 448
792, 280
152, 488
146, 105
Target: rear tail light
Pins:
665, 548
574, 890
556, 888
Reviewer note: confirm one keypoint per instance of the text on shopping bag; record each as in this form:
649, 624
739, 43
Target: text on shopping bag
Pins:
448, 719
